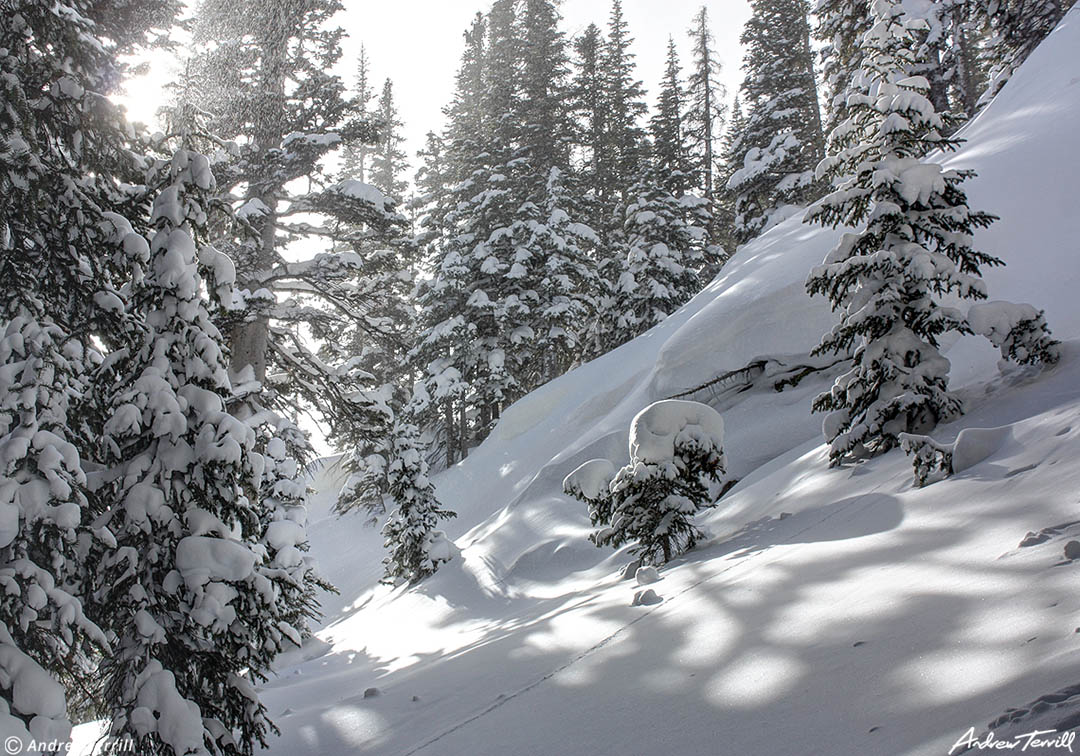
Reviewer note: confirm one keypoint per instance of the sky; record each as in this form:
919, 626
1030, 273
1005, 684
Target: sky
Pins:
418, 44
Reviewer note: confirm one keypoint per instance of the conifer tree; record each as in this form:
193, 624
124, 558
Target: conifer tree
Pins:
68, 166
887, 280
668, 127
840, 26
706, 111
195, 624
355, 155
622, 148
676, 460
388, 160
666, 228
587, 98
1016, 27
446, 348
783, 141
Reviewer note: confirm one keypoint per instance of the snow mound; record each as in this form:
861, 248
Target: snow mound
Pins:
663, 426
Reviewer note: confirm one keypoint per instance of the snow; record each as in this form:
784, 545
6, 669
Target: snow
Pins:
591, 479
973, 445
659, 428
358, 190
202, 558
837, 611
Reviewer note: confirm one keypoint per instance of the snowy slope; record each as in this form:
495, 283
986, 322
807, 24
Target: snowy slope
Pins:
871, 618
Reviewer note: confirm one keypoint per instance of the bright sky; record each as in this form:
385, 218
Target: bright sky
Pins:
418, 43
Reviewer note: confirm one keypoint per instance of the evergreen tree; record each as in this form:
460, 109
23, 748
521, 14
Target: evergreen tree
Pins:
886, 280
1016, 27
587, 98
276, 98
670, 143
731, 154
706, 112
512, 265
676, 459
665, 241
623, 146
445, 353
68, 166
783, 139
840, 26
396, 483
388, 161
666, 228
195, 623
356, 153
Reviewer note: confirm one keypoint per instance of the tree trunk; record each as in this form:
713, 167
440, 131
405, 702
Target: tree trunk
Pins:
451, 435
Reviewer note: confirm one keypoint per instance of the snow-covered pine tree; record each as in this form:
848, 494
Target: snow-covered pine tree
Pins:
782, 141
1015, 27
274, 95
356, 154
446, 349
731, 160
623, 148
666, 228
415, 546
665, 238
548, 225
676, 462
193, 622
887, 280
587, 102
388, 160
840, 25
619, 157
67, 165
671, 144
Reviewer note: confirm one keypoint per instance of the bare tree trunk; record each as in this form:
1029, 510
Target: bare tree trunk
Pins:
464, 428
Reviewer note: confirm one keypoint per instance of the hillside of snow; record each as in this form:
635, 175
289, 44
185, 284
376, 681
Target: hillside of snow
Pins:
832, 611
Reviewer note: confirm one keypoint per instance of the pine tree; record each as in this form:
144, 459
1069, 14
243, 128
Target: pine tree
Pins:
670, 143
195, 623
620, 158
665, 250
731, 153
445, 354
357, 151
676, 459
276, 98
783, 139
886, 280
840, 26
666, 228
587, 98
415, 547
706, 111
623, 147
68, 166
1016, 27
388, 160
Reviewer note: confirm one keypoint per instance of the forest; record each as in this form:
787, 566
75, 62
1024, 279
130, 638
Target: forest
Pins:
185, 304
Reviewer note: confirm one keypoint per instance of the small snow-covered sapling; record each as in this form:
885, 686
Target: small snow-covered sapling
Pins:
676, 462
